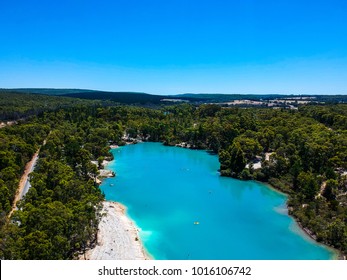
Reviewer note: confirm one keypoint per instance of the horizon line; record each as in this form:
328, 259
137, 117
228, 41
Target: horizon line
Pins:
170, 94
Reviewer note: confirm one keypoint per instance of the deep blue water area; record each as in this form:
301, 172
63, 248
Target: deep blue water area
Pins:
186, 210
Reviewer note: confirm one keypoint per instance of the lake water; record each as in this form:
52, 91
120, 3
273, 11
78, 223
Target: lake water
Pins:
185, 210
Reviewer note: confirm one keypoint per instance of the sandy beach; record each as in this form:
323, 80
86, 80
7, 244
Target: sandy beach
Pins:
118, 238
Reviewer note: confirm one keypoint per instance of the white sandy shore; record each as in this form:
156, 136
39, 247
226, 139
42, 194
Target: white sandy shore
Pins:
118, 238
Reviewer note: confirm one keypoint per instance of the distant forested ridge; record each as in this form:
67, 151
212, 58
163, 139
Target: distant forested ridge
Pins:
15, 105
301, 152
154, 100
116, 97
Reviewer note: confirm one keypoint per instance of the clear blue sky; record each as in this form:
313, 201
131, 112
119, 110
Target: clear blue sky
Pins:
166, 47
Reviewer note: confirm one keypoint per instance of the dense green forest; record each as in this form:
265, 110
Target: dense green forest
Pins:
59, 215
301, 152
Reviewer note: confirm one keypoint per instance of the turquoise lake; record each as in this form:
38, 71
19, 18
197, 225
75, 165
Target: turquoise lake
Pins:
185, 210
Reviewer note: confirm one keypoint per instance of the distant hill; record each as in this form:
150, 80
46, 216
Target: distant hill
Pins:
50, 91
120, 97
141, 98
15, 105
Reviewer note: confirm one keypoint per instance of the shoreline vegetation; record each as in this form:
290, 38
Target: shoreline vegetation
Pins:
306, 231
300, 152
338, 255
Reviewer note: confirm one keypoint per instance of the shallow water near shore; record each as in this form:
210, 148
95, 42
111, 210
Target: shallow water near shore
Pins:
185, 210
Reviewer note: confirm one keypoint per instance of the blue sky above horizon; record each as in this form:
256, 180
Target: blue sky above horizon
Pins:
168, 47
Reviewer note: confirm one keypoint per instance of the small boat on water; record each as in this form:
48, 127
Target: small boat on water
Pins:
196, 223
